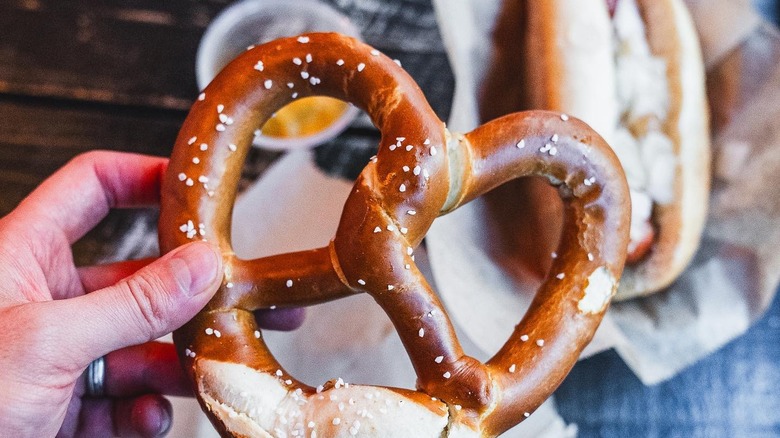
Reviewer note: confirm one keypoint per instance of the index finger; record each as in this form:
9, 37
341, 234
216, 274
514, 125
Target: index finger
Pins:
100, 276
76, 197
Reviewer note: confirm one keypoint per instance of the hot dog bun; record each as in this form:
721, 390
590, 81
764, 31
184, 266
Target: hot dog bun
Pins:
580, 60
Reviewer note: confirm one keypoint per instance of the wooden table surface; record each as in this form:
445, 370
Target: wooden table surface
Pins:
83, 75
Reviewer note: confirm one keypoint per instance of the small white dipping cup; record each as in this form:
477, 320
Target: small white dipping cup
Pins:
252, 22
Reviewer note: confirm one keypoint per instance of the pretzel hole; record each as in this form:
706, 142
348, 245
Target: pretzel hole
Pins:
355, 329
346, 339
522, 221
525, 222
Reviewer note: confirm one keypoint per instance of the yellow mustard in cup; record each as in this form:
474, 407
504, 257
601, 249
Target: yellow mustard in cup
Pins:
304, 117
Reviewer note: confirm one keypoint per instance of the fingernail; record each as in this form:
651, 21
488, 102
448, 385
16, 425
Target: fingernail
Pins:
203, 267
166, 423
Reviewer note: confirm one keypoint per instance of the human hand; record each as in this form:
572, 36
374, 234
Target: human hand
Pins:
56, 318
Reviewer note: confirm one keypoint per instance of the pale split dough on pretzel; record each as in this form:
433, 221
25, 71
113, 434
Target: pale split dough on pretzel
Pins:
420, 172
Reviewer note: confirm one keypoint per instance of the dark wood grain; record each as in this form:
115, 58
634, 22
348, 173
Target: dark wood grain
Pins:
130, 53
38, 136
83, 75
142, 52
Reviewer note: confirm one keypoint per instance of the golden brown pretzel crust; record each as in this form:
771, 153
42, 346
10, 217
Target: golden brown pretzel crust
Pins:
420, 172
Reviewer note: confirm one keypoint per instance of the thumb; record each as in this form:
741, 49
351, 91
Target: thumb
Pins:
152, 302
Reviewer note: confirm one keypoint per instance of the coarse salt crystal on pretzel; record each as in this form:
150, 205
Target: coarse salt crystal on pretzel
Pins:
246, 392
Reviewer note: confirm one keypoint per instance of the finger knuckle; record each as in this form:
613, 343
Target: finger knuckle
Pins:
87, 159
144, 290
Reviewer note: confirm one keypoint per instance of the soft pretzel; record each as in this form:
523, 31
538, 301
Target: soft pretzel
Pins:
420, 172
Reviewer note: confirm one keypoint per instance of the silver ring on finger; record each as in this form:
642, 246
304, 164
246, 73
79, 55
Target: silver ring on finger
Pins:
95, 377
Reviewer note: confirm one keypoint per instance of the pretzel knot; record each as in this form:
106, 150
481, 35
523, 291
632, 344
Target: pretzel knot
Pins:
420, 172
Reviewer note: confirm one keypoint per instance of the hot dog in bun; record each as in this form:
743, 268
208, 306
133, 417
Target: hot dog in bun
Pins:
633, 70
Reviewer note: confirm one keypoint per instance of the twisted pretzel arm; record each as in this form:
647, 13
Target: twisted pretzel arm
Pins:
571, 301
566, 310
297, 279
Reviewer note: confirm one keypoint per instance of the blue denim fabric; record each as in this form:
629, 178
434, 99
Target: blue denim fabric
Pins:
733, 393
769, 8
